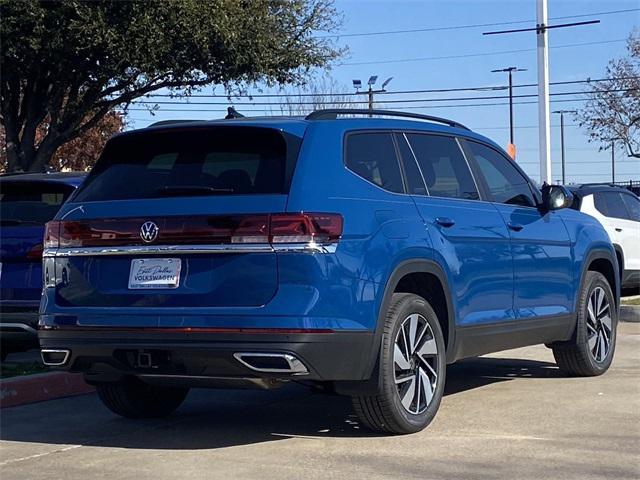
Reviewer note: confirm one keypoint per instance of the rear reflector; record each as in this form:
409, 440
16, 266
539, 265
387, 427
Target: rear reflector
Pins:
35, 253
247, 229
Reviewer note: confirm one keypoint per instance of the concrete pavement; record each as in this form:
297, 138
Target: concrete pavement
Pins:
510, 415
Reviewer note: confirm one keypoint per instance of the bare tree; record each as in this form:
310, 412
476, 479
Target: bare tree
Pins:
321, 93
612, 110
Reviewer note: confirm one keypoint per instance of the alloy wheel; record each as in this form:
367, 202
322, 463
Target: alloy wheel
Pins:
599, 324
415, 363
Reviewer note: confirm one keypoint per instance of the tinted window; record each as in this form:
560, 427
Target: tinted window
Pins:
600, 203
633, 206
373, 157
415, 183
615, 206
35, 203
443, 166
506, 183
203, 161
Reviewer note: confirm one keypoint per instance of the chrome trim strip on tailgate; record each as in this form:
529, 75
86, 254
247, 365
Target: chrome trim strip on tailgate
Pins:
189, 249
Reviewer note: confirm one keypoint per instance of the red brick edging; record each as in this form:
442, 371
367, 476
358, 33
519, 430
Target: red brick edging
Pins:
41, 387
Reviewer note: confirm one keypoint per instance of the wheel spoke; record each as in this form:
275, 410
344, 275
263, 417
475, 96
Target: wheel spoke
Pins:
399, 358
603, 309
413, 332
591, 329
428, 347
592, 315
599, 297
592, 341
418, 389
427, 388
606, 323
403, 379
602, 350
426, 364
407, 351
409, 393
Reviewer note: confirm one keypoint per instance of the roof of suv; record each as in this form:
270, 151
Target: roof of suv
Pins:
68, 178
584, 190
298, 124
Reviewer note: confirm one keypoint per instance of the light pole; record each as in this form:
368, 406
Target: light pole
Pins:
357, 84
510, 71
562, 112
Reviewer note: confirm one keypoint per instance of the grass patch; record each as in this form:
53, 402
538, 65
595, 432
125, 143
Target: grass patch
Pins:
631, 301
8, 370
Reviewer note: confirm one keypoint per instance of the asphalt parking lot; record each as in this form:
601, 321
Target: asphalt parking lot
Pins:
509, 415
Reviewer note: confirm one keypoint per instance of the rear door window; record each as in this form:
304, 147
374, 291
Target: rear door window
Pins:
600, 203
372, 156
195, 161
443, 166
31, 203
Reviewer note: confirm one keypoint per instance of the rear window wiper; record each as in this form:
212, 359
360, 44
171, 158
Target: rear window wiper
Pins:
191, 190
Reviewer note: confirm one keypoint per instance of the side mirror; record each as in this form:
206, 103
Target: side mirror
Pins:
555, 197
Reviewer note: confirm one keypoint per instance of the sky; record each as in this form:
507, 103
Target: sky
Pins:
409, 59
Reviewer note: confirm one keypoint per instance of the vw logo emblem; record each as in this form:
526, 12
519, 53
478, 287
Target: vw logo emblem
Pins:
149, 232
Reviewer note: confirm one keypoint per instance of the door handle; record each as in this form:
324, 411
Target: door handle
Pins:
618, 229
516, 227
445, 221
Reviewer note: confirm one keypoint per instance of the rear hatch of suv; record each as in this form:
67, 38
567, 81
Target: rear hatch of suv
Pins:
25, 207
177, 218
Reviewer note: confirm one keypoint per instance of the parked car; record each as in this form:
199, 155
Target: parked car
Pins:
618, 210
27, 202
363, 254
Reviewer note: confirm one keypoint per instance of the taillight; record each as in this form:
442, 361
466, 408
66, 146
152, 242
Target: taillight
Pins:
52, 234
305, 227
221, 229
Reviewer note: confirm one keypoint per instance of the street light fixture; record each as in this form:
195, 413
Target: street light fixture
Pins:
510, 71
357, 84
561, 113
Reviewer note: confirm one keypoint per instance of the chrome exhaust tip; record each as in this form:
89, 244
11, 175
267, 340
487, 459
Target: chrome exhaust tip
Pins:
54, 357
272, 362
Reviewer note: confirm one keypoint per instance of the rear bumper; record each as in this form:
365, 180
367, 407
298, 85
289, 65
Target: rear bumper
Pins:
18, 329
106, 354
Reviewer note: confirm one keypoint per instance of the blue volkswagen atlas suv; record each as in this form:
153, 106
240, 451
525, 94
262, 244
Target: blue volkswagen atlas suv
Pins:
359, 250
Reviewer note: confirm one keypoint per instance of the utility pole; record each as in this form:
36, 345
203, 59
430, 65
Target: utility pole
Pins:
357, 84
613, 161
562, 112
510, 70
543, 80
544, 129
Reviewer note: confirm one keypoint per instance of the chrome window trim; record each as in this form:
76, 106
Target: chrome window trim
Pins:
310, 247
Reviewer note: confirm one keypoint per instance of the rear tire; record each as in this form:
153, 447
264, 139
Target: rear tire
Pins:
412, 369
133, 398
590, 352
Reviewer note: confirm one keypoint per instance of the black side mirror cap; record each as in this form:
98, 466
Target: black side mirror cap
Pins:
555, 197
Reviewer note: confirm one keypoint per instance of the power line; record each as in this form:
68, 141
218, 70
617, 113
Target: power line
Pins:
481, 54
475, 25
410, 100
399, 92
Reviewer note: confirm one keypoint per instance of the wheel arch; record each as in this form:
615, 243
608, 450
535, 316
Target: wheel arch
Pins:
606, 263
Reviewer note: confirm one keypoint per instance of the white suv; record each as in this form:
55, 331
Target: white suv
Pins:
619, 212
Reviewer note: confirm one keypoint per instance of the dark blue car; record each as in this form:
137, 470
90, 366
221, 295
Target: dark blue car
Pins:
360, 253
27, 202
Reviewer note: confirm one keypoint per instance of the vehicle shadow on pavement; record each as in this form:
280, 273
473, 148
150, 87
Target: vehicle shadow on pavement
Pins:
212, 419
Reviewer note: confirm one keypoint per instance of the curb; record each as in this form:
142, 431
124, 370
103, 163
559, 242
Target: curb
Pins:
630, 313
41, 387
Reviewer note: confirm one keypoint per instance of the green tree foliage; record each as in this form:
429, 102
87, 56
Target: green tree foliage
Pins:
72, 61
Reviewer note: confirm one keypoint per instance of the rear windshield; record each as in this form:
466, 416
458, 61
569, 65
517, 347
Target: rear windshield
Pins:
31, 203
192, 162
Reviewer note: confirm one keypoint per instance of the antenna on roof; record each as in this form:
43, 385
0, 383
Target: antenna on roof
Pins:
232, 113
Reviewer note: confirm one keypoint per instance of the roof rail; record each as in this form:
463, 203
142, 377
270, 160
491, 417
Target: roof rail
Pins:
332, 114
170, 122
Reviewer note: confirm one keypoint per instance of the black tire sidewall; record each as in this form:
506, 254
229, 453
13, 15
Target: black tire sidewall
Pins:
594, 280
408, 305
